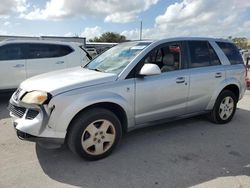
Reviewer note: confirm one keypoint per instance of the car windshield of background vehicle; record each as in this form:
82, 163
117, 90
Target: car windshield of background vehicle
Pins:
117, 58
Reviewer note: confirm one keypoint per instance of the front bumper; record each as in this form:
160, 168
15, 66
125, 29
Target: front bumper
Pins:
31, 122
25, 136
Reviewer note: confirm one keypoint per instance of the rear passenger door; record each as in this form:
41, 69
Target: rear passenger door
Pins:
206, 73
12, 65
42, 58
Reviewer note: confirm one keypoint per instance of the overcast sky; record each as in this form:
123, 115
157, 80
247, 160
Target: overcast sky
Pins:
161, 18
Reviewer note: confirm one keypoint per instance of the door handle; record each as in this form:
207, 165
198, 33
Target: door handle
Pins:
59, 62
18, 66
218, 75
180, 80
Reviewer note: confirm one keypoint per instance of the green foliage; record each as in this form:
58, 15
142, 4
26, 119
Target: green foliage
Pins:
240, 42
109, 37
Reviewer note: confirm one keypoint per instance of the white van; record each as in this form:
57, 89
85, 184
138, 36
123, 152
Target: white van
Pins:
21, 59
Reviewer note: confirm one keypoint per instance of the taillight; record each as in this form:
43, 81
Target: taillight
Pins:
247, 78
246, 70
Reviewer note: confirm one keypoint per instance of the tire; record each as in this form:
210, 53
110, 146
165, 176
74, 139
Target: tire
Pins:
224, 108
94, 134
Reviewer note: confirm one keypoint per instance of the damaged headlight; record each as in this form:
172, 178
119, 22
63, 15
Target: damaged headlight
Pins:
36, 97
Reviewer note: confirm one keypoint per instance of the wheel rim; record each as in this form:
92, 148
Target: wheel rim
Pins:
98, 137
226, 108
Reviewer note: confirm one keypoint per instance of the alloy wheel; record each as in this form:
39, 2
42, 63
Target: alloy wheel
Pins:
98, 137
226, 108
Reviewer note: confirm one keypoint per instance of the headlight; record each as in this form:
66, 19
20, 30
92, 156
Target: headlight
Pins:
35, 97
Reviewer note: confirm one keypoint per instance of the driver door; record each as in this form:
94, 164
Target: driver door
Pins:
165, 95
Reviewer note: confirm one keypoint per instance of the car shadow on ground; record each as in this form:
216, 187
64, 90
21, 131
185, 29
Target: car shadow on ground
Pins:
177, 154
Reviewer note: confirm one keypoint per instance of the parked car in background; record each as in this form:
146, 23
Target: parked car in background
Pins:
248, 73
21, 59
131, 85
100, 47
92, 52
245, 55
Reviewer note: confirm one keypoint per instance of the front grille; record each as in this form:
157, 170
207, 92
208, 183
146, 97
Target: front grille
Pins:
16, 111
20, 111
31, 114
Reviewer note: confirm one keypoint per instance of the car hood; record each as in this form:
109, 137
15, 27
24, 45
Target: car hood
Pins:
63, 80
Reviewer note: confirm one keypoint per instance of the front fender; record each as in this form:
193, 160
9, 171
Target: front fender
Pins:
67, 106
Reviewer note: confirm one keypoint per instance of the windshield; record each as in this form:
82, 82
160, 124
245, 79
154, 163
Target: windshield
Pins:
117, 58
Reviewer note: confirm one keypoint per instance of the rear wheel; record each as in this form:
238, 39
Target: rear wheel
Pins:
224, 107
94, 134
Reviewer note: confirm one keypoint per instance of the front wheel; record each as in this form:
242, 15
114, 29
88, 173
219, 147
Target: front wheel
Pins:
224, 107
94, 134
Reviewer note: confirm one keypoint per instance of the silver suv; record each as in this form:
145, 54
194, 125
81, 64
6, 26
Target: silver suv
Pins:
131, 85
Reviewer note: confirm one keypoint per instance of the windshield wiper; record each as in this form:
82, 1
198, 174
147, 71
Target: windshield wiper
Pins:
96, 69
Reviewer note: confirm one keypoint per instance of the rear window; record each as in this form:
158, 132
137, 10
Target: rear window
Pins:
231, 51
202, 54
37, 51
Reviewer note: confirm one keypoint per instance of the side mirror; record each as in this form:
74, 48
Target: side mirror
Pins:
149, 70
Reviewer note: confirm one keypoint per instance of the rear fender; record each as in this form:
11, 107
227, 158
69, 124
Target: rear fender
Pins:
222, 85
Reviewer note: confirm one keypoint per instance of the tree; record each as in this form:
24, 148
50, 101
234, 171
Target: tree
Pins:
240, 42
109, 37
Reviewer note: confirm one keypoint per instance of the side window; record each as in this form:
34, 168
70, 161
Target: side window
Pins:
167, 57
213, 56
171, 58
159, 56
231, 51
199, 54
65, 50
37, 51
151, 57
11, 52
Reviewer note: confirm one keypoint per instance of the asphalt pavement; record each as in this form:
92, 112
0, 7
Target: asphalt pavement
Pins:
186, 153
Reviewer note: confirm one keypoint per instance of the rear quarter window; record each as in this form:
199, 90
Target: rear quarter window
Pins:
65, 50
231, 51
37, 51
